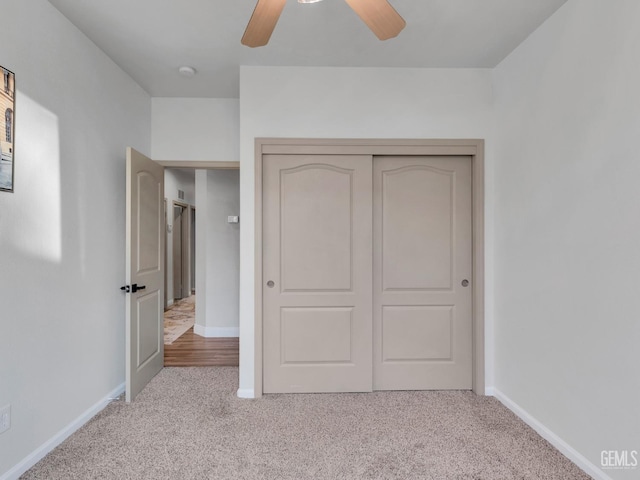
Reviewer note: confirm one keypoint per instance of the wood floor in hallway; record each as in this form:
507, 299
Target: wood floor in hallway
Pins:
191, 350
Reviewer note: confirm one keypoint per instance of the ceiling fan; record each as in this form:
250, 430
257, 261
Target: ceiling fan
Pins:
379, 16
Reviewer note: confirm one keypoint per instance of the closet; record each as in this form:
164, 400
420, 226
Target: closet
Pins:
367, 269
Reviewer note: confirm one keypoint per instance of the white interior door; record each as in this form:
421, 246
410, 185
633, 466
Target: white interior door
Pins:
317, 273
144, 271
422, 271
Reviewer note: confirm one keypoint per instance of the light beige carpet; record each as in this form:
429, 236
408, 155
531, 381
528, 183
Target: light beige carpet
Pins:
189, 424
179, 318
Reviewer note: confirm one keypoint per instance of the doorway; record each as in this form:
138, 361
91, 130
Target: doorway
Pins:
179, 314
148, 267
193, 223
192, 212
182, 251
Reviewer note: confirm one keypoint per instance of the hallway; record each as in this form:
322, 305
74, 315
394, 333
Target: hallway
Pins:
183, 348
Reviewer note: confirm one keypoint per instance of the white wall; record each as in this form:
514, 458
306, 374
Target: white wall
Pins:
180, 179
218, 252
356, 103
174, 180
567, 227
202, 214
196, 129
62, 231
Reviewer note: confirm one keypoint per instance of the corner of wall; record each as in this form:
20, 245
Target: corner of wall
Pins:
566, 449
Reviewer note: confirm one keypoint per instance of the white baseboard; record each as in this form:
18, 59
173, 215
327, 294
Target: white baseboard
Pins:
246, 393
216, 332
40, 452
566, 449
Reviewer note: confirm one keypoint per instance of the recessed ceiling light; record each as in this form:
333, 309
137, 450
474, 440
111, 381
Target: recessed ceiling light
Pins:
187, 71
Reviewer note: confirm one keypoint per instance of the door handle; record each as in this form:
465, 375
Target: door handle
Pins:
132, 288
270, 284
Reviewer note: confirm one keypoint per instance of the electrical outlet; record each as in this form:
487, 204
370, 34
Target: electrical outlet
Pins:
5, 418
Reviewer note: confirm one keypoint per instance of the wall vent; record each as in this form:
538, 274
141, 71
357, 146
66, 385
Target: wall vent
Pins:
181, 194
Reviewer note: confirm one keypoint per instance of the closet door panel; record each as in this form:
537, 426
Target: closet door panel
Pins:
317, 248
422, 257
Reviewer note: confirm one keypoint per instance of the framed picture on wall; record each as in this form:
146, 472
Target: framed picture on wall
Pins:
7, 129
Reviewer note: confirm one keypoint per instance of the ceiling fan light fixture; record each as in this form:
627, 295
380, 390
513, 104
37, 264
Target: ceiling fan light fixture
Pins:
381, 18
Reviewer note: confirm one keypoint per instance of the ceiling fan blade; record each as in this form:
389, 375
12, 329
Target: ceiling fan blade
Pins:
379, 16
263, 21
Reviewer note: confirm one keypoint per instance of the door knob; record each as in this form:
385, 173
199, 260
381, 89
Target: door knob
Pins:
465, 283
270, 284
132, 288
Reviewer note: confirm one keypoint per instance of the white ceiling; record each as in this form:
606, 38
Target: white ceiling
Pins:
150, 39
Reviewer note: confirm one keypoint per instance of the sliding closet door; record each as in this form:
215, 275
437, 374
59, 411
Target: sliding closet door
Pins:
422, 268
317, 270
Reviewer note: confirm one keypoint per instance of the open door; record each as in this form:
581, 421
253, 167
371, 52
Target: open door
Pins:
144, 271
181, 243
